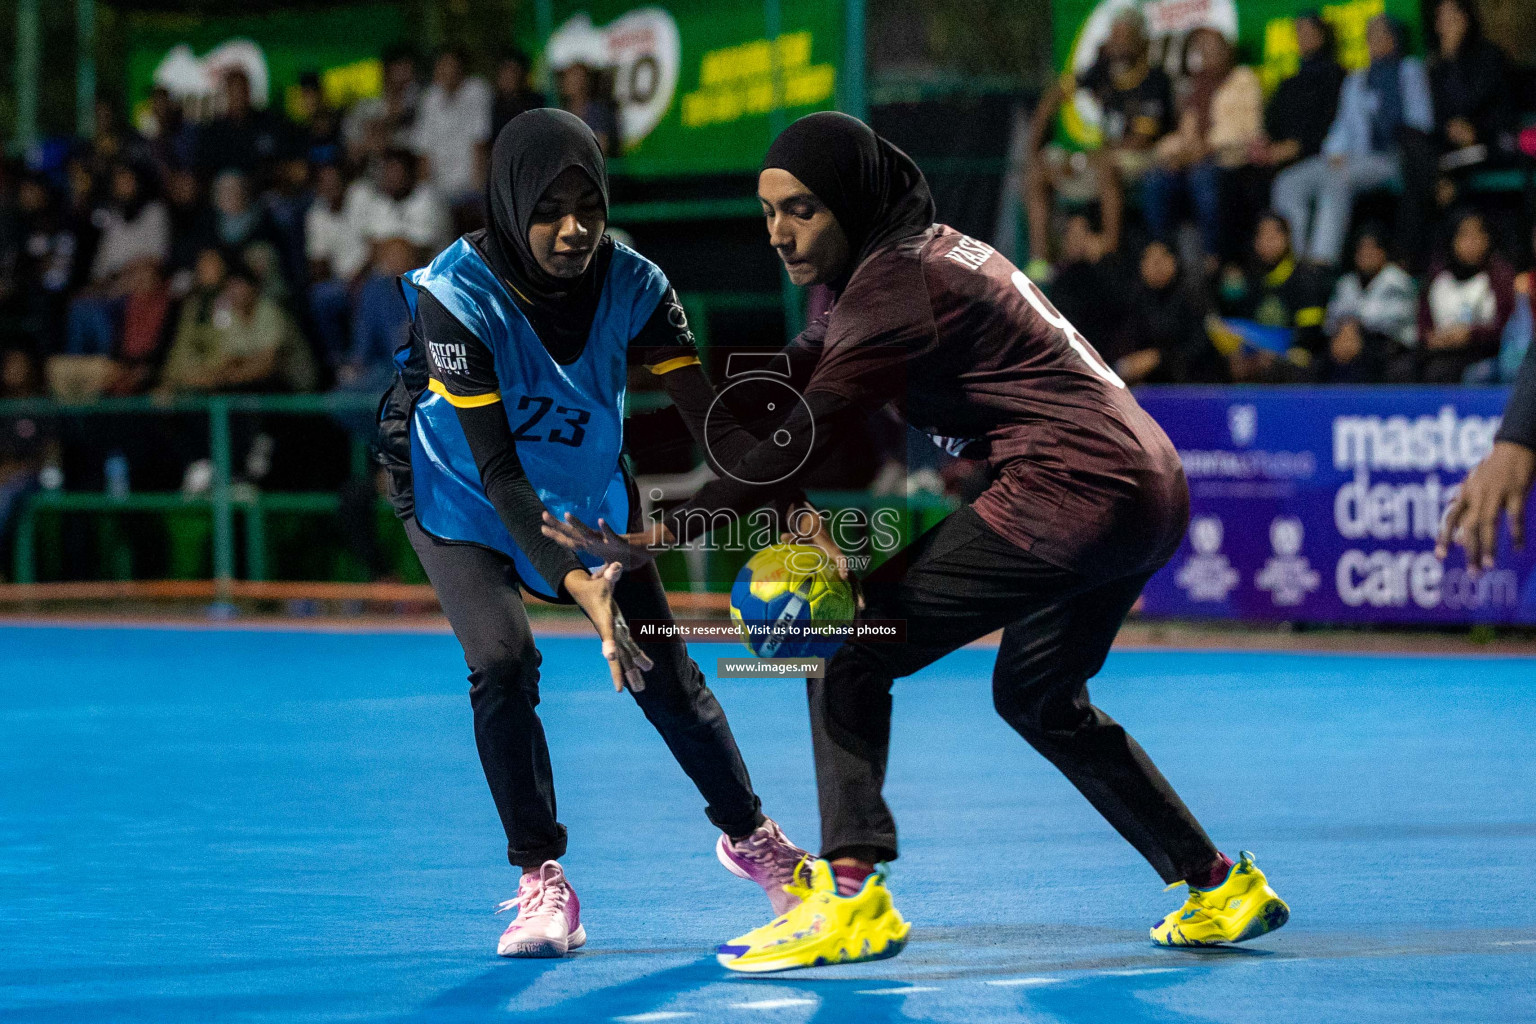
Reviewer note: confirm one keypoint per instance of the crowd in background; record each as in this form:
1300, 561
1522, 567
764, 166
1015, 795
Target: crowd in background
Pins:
252, 250
1333, 232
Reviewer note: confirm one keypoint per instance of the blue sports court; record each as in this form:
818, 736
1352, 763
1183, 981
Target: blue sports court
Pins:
248, 825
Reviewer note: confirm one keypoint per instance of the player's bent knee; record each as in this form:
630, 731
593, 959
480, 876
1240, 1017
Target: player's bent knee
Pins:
513, 670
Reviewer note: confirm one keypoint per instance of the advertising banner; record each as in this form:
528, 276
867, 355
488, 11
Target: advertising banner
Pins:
1265, 31
1322, 505
188, 54
700, 83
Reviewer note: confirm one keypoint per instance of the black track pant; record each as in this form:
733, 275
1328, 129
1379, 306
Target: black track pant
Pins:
479, 593
957, 583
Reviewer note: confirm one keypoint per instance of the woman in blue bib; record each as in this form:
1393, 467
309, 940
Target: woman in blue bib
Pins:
509, 402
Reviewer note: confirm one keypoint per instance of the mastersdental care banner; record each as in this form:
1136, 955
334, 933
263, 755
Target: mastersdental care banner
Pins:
1322, 505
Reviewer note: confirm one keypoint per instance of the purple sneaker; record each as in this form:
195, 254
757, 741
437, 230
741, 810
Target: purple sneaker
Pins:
768, 858
548, 922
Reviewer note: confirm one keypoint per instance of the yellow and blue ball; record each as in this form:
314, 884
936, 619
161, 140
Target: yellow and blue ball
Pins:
789, 585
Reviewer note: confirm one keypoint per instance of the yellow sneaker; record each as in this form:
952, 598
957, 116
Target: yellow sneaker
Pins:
1241, 908
824, 929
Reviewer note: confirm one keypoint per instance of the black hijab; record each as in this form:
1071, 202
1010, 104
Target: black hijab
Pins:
531, 151
875, 191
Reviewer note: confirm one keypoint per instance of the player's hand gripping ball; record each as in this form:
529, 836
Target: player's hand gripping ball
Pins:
780, 593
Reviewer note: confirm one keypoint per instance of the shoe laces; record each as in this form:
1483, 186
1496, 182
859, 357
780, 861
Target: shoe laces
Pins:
768, 848
543, 893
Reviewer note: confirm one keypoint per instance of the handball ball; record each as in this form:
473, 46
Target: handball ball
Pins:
789, 585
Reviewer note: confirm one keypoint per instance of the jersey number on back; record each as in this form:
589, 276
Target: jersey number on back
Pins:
541, 407
1048, 313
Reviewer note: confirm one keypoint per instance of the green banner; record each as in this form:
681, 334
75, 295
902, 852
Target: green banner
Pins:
1265, 31
188, 54
702, 85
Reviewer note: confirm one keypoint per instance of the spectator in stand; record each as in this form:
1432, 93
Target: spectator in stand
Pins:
380, 321
81, 201
113, 141
1280, 296
240, 341
245, 228
1469, 79
399, 206
148, 323
451, 126
1373, 321
47, 264
583, 93
318, 124
134, 226
1220, 120
287, 203
388, 120
1363, 148
1088, 286
169, 139
192, 226
514, 91
336, 254
1162, 337
242, 138
1466, 304
1137, 102
1303, 106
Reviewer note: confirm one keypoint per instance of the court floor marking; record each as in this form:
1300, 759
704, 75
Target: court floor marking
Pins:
774, 1004
1021, 982
646, 1018
903, 990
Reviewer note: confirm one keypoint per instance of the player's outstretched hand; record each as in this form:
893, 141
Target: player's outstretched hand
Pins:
1500, 483
630, 550
593, 591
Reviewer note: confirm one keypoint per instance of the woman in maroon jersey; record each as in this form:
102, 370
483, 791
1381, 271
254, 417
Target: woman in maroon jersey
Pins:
1086, 501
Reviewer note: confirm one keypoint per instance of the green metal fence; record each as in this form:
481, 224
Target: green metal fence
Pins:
227, 502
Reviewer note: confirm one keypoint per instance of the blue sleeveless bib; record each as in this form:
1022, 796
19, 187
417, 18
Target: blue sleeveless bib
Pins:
567, 421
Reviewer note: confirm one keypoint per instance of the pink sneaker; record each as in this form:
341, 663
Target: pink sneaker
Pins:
768, 858
548, 922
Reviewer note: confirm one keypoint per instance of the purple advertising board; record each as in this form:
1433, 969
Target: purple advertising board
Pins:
1322, 505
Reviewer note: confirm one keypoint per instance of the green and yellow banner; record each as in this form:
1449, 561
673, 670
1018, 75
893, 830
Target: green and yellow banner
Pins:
188, 54
701, 85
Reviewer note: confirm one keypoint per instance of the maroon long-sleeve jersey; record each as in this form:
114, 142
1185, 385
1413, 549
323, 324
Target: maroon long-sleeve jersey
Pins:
968, 349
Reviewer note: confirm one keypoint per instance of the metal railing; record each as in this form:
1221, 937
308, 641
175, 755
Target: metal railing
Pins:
223, 499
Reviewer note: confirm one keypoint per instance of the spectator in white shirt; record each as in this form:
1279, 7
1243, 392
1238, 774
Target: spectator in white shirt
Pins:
1372, 322
403, 223
135, 227
399, 206
336, 254
454, 118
